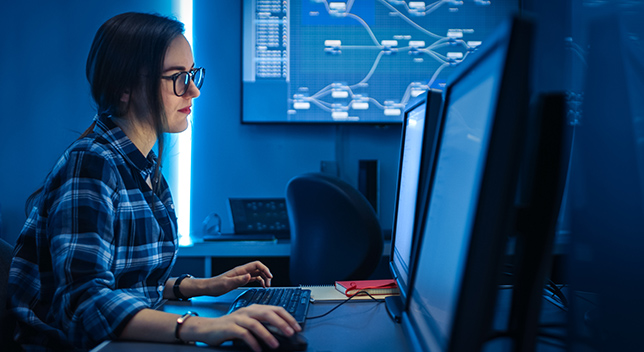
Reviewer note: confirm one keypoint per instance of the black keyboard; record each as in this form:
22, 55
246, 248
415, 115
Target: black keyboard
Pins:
294, 299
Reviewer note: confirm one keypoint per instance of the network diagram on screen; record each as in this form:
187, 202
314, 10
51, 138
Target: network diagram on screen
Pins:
354, 61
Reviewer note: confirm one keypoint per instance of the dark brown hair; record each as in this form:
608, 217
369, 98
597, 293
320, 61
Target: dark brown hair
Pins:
127, 56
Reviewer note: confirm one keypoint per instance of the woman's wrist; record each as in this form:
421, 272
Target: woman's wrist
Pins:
180, 324
176, 287
190, 330
192, 287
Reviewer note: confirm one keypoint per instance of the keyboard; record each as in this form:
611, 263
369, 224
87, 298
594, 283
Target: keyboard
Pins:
294, 299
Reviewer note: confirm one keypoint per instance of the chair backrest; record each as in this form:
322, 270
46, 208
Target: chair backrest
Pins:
335, 233
7, 322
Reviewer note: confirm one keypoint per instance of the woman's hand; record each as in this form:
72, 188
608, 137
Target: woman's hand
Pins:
236, 277
228, 281
244, 324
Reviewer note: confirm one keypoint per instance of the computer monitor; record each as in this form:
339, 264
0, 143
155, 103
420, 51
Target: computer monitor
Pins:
470, 214
344, 61
607, 191
539, 198
420, 125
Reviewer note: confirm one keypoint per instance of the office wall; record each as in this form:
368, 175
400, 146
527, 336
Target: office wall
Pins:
46, 104
44, 96
235, 160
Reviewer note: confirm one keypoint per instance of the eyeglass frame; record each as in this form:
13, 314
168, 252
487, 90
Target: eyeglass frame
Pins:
192, 73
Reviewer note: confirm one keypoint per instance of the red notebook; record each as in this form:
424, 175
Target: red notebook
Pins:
374, 287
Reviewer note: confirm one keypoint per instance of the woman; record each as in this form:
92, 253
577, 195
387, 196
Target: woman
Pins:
94, 257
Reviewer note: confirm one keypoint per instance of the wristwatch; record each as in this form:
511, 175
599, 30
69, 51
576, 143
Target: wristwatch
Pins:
175, 288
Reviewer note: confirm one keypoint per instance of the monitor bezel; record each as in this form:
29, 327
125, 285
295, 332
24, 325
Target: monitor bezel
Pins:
540, 195
433, 102
493, 221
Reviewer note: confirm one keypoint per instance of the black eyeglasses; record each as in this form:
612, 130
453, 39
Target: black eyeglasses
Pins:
181, 80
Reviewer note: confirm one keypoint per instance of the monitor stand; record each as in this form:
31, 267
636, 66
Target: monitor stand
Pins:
394, 307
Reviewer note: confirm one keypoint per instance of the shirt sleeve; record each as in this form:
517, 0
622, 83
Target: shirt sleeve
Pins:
87, 303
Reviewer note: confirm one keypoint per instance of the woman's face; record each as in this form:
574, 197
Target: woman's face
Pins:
178, 58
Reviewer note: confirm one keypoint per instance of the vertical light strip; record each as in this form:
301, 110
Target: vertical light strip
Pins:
183, 11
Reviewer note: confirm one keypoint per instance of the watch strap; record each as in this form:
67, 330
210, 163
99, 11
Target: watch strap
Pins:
176, 290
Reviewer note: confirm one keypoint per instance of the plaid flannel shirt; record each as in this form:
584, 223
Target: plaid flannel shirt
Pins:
96, 249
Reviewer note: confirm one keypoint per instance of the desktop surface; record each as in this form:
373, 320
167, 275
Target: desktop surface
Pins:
354, 327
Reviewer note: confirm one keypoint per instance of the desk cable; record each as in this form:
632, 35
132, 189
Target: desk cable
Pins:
345, 301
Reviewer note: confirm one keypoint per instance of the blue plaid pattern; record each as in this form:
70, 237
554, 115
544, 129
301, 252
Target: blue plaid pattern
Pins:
97, 247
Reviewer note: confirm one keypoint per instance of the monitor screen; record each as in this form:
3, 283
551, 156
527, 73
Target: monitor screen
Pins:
416, 153
354, 61
471, 198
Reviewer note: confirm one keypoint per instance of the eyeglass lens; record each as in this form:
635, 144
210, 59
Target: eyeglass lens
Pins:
183, 81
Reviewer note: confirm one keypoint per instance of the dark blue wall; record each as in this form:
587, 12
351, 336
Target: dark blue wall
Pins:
46, 104
238, 160
45, 97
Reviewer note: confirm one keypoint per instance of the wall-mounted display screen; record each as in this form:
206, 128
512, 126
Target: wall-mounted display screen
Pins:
317, 61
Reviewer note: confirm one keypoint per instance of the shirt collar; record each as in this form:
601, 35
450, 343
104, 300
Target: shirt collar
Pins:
107, 129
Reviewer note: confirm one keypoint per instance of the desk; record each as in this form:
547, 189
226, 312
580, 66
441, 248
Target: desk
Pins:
254, 249
354, 327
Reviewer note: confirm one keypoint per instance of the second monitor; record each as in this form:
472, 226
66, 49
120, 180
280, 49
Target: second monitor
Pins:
470, 214
420, 126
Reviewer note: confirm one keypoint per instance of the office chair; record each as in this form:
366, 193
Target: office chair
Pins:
335, 233
7, 322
